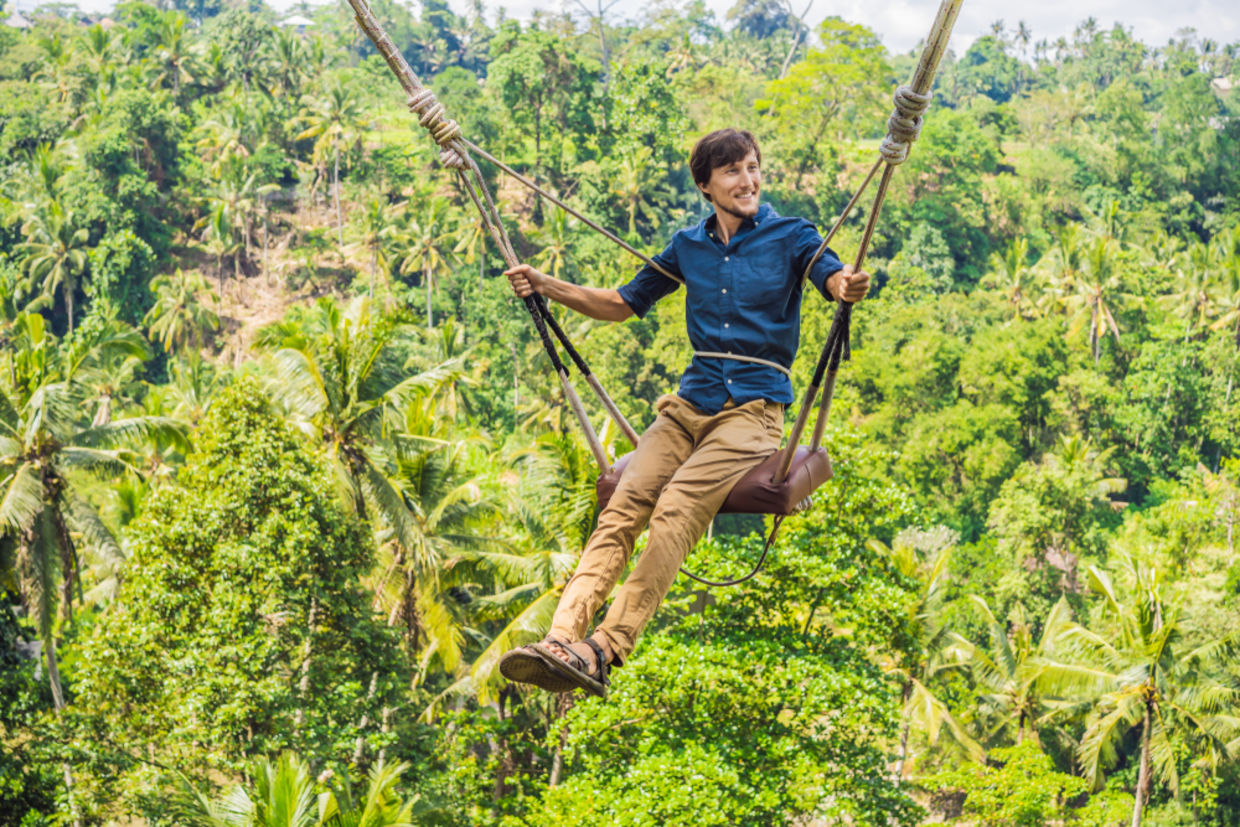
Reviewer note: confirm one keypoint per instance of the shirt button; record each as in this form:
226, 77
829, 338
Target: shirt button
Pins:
725, 324
729, 381
725, 289
726, 258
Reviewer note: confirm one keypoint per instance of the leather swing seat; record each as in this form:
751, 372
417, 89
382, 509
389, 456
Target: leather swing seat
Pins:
757, 492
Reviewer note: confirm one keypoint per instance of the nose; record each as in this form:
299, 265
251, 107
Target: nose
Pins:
749, 178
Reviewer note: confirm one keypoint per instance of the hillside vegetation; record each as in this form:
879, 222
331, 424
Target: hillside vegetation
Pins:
284, 469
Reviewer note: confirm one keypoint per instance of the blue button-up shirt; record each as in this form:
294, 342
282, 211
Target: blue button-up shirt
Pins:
743, 297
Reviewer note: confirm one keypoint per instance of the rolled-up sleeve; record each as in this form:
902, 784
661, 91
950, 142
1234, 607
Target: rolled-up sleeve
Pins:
807, 241
649, 285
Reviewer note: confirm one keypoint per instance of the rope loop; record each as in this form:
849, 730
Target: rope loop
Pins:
904, 125
433, 116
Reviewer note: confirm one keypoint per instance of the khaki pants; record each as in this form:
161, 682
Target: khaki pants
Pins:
684, 466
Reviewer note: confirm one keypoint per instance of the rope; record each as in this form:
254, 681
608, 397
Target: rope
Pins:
904, 125
710, 354
770, 541
454, 153
903, 128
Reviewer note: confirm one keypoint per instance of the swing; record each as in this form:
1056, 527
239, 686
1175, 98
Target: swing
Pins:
784, 482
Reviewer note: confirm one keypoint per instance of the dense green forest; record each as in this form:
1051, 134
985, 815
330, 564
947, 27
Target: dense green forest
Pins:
285, 470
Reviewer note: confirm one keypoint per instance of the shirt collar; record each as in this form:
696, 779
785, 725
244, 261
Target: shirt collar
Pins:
765, 212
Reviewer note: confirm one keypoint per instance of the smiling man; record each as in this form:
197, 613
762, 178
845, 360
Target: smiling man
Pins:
742, 269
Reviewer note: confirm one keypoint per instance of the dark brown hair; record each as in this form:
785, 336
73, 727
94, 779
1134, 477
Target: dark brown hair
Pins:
719, 148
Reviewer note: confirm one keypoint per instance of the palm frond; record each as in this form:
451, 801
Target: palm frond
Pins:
134, 431
22, 499
531, 624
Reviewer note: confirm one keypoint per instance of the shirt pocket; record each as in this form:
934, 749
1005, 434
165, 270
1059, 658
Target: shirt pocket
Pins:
763, 280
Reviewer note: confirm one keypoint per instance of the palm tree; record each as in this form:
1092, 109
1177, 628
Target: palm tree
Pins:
225, 136
337, 375
1227, 292
57, 64
288, 63
174, 52
553, 240
1136, 678
180, 317
551, 504
98, 49
285, 794
373, 231
56, 252
1062, 266
43, 452
450, 510
334, 119
1098, 288
232, 203
1011, 668
426, 243
923, 649
634, 184
1192, 299
1010, 272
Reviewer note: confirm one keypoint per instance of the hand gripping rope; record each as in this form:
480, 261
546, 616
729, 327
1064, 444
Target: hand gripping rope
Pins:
456, 152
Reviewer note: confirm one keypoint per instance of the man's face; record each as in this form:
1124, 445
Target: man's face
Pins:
733, 188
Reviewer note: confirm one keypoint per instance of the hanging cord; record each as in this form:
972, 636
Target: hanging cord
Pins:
903, 128
770, 541
454, 153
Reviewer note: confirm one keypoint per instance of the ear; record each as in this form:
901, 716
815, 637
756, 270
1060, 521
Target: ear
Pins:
702, 189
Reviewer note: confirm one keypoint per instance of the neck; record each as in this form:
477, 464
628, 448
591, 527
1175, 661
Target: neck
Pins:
726, 224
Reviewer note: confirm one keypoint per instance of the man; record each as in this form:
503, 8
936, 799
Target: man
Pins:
742, 269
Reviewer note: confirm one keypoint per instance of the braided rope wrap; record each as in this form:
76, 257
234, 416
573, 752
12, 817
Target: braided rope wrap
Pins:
904, 125
433, 116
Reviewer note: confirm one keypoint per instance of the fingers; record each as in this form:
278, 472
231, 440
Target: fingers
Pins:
519, 278
854, 284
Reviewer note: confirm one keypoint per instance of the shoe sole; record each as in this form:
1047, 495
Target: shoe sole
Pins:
535, 668
574, 677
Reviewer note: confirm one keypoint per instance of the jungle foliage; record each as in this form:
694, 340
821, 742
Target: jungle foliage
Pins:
283, 471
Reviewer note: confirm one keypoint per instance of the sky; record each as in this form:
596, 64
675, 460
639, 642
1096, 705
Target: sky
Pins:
902, 23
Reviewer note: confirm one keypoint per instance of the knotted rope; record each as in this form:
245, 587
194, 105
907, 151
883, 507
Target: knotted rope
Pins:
904, 125
903, 128
455, 154
446, 132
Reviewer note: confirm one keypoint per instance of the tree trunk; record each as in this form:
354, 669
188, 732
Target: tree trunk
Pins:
602, 44
370, 290
359, 746
563, 703
430, 322
505, 765
58, 701
904, 731
266, 245
307, 654
1143, 777
336, 190
69, 288
516, 377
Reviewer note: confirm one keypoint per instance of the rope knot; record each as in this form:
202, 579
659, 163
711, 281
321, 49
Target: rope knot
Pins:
904, 125
433, 116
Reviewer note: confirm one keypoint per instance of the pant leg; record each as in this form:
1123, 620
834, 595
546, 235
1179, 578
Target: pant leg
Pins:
660, 451
727, 446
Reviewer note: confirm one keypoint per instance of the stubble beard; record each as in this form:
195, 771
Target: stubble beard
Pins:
735, 213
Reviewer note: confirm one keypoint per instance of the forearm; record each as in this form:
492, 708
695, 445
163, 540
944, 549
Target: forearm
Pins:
595, 302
